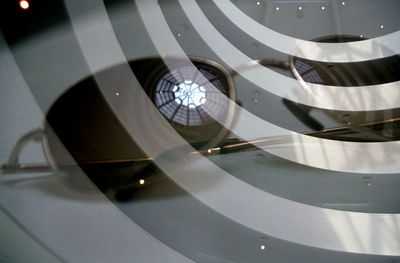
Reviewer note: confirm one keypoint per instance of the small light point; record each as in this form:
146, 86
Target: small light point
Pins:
24, 4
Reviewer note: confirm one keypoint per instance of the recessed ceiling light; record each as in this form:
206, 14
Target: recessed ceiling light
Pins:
24, 4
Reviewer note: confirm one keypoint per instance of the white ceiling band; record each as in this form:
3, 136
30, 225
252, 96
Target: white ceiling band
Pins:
360, 98
247, 205
384, 46
304, 224
350, 157
90, 30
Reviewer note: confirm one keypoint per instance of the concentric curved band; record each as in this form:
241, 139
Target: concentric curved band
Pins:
324, 228
380, 47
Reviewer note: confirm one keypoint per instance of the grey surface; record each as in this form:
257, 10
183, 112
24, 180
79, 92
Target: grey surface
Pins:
19, 111
16, 245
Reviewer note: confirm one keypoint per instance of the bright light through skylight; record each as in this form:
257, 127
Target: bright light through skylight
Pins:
189, 94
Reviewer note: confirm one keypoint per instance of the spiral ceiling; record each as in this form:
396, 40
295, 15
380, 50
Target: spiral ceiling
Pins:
202, 131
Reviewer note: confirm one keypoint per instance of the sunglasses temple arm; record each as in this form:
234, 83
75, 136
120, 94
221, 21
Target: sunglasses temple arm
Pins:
13, 165
229, 146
